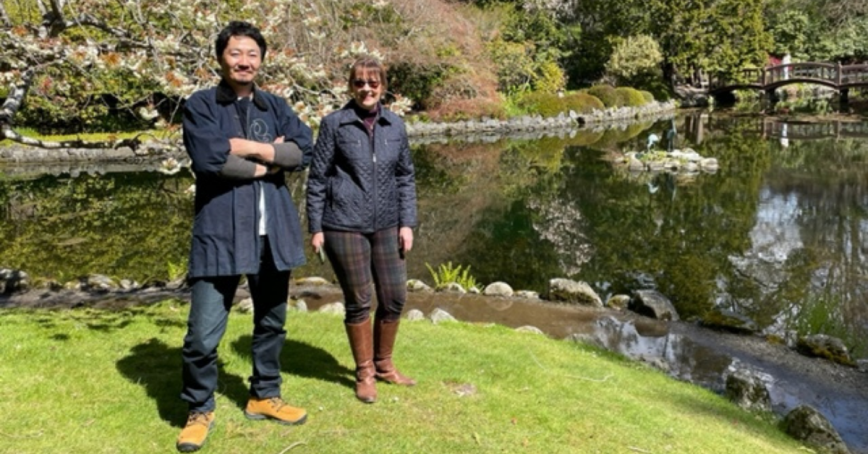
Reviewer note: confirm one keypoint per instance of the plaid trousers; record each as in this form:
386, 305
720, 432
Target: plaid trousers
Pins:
362, 259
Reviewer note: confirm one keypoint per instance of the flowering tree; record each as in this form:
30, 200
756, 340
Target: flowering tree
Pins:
85, 61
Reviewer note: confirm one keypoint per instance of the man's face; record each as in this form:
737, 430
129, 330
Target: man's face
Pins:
240, 61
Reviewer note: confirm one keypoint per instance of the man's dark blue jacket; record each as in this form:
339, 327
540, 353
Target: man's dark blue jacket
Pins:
226, 228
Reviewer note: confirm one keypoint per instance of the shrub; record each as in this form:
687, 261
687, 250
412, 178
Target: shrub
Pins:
551, 78
582, 102
606, 94
545, 104
634, 57
649, 97
630, 97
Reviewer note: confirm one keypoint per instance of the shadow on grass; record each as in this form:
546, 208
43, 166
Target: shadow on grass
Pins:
305, 360
157, 367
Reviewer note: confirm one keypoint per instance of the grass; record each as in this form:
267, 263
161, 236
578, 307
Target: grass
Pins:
91, 381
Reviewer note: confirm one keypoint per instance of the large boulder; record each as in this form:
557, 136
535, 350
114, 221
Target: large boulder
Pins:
573, 292
652, 303
823, 346
727, 320
807, 424
747, 389
498, 289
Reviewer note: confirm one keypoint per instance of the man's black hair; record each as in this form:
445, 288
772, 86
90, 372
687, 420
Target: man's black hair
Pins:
239, 28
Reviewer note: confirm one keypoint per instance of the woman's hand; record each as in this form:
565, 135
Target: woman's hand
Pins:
405, 239
317, 240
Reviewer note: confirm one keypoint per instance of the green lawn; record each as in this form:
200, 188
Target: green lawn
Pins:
88, 381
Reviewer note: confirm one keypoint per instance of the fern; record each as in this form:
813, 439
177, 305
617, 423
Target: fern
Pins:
447, 273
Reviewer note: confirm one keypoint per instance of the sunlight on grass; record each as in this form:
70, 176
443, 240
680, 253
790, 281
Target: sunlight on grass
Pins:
89, 381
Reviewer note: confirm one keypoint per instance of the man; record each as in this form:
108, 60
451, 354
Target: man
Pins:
240, 139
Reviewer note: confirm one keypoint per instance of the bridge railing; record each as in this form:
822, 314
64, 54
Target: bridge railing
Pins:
832, 73
854, 74
819, 71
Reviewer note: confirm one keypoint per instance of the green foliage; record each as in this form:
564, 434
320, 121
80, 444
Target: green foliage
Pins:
416, 81
550, 78
600, 21
629, 97
606, 94
847, 41
804, 105
821, 314
790, 30
748, 100
545, 104
649, 97
528, 49
634, 57
515, 67
176, 270
447, 274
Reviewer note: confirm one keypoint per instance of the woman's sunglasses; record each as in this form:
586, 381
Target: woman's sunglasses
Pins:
359, 83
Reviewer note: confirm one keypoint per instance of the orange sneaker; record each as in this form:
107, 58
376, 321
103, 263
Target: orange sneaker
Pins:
276, 409
196, 431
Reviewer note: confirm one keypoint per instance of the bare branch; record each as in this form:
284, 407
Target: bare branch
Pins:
15, 98
89, 20
4, 18
41, 5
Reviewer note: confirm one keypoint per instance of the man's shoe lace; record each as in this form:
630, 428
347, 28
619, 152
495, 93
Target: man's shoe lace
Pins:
276, 403
197, 417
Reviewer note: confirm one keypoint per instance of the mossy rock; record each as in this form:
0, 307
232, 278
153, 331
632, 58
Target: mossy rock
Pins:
823, 346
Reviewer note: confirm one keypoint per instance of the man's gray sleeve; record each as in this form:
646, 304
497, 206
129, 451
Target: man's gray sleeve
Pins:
287, 155
237, 168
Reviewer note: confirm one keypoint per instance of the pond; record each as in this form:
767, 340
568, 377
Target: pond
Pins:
779, 233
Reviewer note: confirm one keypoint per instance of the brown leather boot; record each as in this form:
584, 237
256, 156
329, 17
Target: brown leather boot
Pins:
384, 341
363, 353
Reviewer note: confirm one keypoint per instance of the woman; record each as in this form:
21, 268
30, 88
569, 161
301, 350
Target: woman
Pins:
361, 205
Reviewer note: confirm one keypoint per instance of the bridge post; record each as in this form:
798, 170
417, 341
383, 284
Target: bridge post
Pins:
838, 74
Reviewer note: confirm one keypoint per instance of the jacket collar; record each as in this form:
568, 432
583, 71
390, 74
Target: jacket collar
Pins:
348, 115
226, 95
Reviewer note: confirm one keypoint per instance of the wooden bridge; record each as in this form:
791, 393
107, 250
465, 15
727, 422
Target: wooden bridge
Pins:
833, 75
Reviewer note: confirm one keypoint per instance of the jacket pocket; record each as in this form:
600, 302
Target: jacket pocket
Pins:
350, 148
346, 203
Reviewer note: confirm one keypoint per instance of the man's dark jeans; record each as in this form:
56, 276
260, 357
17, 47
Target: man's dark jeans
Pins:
209, 311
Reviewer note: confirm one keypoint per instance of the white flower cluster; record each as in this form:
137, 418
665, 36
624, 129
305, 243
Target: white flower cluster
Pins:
167, 47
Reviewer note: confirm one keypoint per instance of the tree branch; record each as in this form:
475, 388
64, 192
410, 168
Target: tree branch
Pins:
4, 18
15, 98
89, 20
14, 136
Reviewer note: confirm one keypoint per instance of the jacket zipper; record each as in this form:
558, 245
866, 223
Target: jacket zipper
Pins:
373, 144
